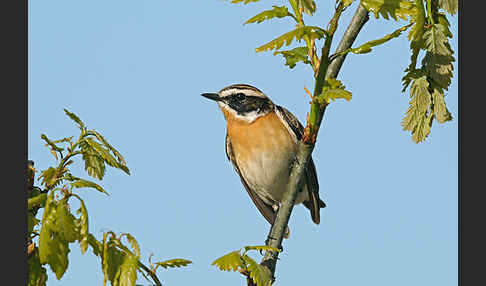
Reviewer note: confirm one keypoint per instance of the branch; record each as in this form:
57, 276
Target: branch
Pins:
359, 19
329, 68
150, 273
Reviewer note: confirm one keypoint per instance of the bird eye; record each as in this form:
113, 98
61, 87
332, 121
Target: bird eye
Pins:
240, 96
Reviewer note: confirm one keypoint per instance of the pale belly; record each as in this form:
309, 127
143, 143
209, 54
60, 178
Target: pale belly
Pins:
263, 152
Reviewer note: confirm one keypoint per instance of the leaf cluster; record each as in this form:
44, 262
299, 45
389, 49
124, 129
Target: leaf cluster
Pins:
240, 261
310, 34
428, 84
60, 227
395, 9
429, 33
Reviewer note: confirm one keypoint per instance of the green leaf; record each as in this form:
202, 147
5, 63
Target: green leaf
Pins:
53, 249
81, 183
49, 177
94, 164
128, 271
332, 90
75, 118
176, 262
441, 112
436, 40
292, 57
261, 248
276, 12
50, 143
133, 243
257, 272
121, 161
448, 5
390, 8
308, 6
83, 225
65, 223
366, 48
418, 119
311, 31
37, 273
111, 260
439, 68
230, 261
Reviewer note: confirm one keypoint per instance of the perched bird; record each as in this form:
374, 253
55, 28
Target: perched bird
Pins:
261, 143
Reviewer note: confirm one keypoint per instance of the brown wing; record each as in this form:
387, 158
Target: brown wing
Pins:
265, 209
310, 176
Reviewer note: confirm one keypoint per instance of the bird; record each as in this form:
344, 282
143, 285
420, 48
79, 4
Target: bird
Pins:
261, 143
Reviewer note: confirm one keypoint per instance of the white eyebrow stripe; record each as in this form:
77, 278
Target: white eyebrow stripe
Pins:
247, 92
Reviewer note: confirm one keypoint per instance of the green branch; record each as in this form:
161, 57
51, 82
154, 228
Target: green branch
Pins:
327, 69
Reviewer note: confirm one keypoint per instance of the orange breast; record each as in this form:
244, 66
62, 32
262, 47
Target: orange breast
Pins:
263, 151
266, 134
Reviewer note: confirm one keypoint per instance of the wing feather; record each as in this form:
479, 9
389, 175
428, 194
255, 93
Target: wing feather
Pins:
310, 176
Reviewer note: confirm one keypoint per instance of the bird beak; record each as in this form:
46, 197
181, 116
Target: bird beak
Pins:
212, 96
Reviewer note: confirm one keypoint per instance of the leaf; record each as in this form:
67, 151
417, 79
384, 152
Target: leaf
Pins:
390, 8
112, 259
260, 248
133, 243
333, 94
332, 90
176, 262
276, 12
257, 272
119, 157
418, 119
308, 6
128, 271
449, 5
366, 47
229, 262
292, 57
83, 225
439, 68
94, 164
53, 249
65, 223
436, 40
311, 31
441, 112
51, 144
75, 118
37, 273
81, 183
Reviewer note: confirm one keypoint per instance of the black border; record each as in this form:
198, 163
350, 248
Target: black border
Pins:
14, 142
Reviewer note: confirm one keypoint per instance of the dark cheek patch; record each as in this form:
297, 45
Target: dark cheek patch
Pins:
249, 104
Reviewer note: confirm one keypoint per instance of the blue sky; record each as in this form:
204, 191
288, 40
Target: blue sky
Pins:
134, 70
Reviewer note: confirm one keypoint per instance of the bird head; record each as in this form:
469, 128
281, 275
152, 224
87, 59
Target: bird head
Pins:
241, 101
